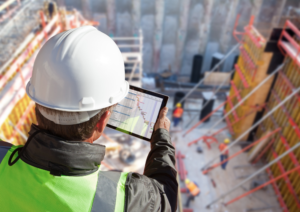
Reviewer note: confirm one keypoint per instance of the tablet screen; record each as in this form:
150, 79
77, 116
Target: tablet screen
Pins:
137, 113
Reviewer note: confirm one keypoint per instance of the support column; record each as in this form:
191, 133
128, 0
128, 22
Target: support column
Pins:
61, 3
86, 9
111, 17
158, 34
226, 33
136, 15
279, 9
204, 28
181, 32
256, 5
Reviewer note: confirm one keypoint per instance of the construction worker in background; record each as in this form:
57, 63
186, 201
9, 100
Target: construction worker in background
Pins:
78, 78
177, 114
192, 191
225, 154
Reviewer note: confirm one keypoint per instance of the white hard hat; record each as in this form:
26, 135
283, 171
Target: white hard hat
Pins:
79, 70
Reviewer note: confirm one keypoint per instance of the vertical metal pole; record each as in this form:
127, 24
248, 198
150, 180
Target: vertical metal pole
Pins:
214, 68
254, 174
253, 126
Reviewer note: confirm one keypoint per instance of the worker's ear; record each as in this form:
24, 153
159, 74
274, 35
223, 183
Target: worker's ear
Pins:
103, 121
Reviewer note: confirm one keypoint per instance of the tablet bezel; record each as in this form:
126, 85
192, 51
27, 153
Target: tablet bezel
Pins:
164, 103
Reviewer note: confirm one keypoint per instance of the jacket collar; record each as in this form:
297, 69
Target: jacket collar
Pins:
62, 157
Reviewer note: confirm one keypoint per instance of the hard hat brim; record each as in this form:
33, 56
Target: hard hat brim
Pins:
124, 89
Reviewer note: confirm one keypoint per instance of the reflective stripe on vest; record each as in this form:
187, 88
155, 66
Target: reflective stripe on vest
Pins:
110, 183
193, 188
27, 188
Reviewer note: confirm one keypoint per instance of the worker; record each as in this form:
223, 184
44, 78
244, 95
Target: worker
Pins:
78, 77
177, 114
224, 155
192, 191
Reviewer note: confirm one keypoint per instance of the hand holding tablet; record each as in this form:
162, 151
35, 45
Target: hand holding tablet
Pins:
137, 113
162, 121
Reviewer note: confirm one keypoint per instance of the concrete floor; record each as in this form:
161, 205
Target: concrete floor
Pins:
225, 180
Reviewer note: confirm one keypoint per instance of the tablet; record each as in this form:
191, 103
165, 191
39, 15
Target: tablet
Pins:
137, 113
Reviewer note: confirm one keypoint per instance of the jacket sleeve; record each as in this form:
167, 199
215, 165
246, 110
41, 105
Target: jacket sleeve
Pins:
160, 165
157, 189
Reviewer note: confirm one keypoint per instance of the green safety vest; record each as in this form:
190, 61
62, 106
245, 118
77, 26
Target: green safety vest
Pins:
26, 188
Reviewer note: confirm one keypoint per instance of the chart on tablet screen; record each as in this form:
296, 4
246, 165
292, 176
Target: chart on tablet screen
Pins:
136, 113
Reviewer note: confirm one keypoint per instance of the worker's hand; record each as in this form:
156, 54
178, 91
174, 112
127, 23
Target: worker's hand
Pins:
163, 122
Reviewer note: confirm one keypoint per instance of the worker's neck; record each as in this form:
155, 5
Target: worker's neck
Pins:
95, 136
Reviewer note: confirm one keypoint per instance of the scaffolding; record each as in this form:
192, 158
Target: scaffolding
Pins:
264, 100
132, 52
288, 79
16, 109
256, 63
17, 31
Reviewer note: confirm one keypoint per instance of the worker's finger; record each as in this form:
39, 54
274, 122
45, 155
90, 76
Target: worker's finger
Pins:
163, 112
162, 122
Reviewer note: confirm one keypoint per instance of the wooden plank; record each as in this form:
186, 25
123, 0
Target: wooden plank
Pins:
216, 78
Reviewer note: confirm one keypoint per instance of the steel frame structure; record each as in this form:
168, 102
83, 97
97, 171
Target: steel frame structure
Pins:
256, 173
255, 125
132, 52
17, 70
284, 95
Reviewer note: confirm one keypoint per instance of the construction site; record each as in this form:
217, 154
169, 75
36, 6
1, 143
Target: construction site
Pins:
232, 66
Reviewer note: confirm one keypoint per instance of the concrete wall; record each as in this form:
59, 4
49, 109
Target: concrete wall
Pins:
176, 30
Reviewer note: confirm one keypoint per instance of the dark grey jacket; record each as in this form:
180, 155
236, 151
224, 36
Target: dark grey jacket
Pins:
156, 190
